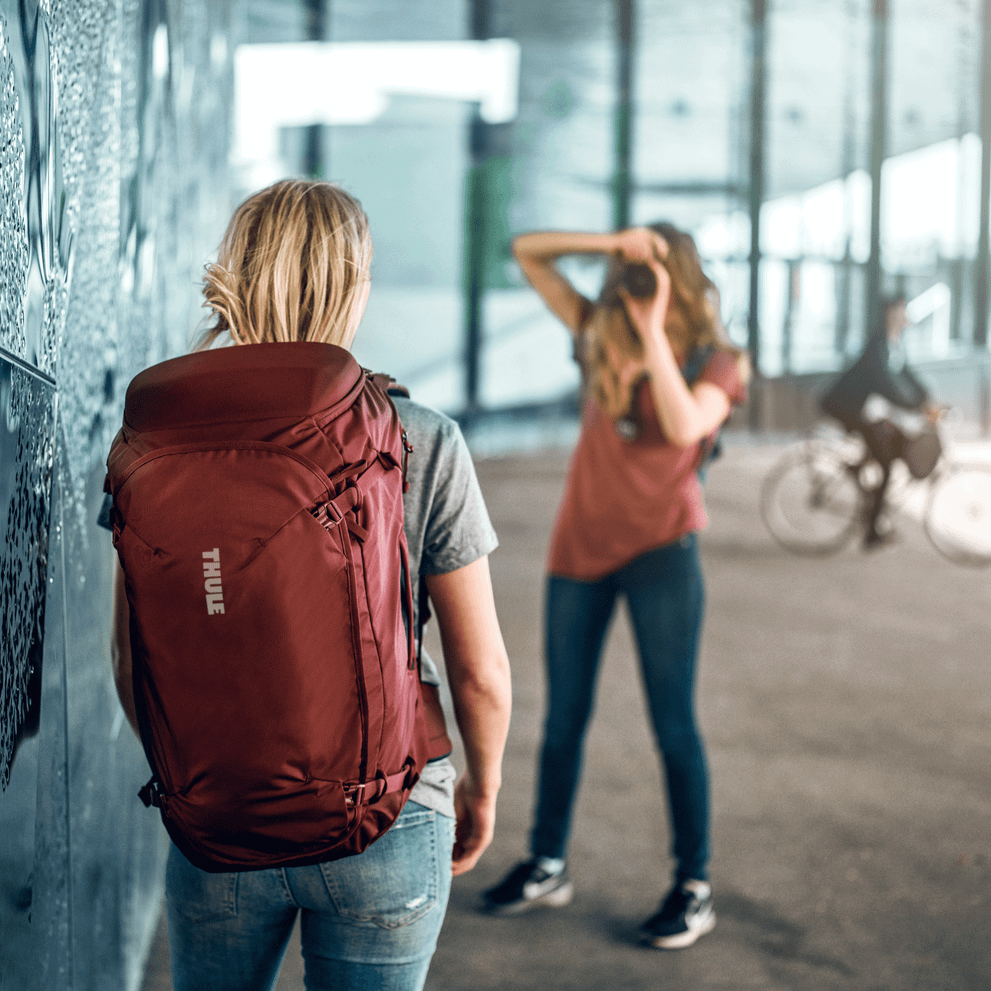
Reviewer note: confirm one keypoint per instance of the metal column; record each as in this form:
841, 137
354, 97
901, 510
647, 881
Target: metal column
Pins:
958, 265
983, 267
314, 165
878, 150
841, 336
623, 117
758, 102
476, 228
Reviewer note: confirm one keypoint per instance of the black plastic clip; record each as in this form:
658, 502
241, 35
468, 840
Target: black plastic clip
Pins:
152, 795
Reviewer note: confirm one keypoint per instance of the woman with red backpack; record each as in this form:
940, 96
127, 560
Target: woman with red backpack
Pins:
287, 294
626, 527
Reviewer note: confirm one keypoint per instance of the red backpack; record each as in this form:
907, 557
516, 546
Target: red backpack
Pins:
258, 520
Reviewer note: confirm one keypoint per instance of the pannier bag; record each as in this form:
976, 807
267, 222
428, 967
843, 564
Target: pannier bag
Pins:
922, 452
258, 520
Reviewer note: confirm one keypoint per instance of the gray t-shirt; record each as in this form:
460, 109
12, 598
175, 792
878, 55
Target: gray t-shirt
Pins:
447, 527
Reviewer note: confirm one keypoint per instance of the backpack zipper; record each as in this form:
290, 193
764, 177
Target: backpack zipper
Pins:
407, 450
335, 518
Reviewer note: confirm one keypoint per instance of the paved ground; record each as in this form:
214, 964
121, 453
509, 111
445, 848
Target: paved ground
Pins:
845, 704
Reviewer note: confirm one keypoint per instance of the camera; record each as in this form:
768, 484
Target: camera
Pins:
639, 280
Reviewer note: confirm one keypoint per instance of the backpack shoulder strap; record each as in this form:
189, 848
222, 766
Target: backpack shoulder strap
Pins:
440, 744
709, 447
387, 383
696, 361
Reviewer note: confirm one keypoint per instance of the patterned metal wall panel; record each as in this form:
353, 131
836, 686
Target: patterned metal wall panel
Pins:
13, 226
27, 420
113, 192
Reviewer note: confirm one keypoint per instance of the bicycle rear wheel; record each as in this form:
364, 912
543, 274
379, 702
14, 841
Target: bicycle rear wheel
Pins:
958, 515
811, 502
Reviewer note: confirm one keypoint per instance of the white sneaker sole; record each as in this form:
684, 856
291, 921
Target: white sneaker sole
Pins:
680, 941
557, 898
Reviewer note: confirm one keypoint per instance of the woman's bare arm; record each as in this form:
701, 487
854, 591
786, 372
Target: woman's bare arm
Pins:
478, 674
537, 254
686, 414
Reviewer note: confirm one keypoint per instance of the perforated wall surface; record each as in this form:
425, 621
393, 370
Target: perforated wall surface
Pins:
113, 192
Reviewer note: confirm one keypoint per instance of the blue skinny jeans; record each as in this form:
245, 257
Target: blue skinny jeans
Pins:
665, 594
368, 923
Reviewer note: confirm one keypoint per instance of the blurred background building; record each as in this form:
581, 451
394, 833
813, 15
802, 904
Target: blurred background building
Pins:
820, 154
821, 151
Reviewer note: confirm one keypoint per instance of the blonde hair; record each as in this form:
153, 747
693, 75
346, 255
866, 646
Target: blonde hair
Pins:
292, 266
612, 346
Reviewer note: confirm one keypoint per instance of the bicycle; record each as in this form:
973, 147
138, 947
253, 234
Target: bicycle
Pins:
814, 499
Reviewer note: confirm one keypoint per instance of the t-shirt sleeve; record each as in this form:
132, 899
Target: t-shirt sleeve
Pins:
458, 529
723, 370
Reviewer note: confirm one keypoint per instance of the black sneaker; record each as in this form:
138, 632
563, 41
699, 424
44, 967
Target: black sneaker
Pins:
684, 916
528, 886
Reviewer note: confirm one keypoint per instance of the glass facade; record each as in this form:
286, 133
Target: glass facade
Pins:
733, 112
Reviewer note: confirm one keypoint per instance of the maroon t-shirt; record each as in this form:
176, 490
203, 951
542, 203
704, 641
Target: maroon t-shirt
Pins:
624, 498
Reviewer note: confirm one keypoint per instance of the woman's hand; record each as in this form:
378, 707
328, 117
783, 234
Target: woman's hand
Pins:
475, 825
641, 245
686, 414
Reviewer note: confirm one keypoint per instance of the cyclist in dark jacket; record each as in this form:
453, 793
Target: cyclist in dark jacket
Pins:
875, 373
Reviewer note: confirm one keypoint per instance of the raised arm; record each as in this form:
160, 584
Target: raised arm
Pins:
478, 674
537, 254
686, 414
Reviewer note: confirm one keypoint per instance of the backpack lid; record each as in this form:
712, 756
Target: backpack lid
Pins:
242, 382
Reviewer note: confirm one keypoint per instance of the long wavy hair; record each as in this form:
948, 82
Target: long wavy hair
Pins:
612, 347
292, 266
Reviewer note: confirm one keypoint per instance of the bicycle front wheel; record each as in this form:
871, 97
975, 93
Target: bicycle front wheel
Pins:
811, 502
958, 515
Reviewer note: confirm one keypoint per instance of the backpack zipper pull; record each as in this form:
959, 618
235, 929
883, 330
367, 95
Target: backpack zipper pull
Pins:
152, 795
407, 450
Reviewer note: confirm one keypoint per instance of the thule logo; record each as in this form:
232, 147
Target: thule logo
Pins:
214, 589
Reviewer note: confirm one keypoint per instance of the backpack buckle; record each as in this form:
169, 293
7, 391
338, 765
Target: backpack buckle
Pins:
323, 515
152, 795
355, 793
383, 783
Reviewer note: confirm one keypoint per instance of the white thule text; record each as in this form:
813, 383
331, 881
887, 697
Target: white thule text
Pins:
214, 590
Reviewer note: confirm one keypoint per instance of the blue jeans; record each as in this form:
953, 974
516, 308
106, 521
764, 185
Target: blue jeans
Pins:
368, 923
665, 594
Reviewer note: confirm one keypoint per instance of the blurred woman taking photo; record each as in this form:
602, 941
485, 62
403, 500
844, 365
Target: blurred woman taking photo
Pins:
627, 526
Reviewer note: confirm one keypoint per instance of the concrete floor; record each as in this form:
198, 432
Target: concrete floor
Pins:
845, 704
